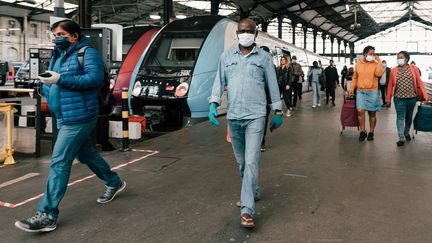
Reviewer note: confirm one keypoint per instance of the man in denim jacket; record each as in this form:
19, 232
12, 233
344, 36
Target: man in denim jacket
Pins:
247, 71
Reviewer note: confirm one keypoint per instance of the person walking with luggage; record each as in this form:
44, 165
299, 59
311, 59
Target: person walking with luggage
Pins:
383, 82
284, 73
344, 74
297, 80
365, 81
348, 79
332, 80
405, 85
69, 90
247, 71
314, 76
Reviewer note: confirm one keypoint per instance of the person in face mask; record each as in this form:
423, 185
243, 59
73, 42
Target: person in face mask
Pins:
383, 82
365, 87
72, 95
404, 84
247, 72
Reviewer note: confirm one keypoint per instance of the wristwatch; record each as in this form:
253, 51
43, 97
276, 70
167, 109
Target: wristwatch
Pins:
278, 113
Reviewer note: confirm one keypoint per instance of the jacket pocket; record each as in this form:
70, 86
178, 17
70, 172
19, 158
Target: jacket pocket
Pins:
256, 70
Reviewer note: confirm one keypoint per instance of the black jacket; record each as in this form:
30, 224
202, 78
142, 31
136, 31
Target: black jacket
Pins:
284, 76
331, 75
387, 70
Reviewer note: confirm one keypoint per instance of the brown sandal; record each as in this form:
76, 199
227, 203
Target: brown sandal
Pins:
247, 221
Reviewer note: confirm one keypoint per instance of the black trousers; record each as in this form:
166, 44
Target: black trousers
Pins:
298, 89
287, 96
330, 91
383, 90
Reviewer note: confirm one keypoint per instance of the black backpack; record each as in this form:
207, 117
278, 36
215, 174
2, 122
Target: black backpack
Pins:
104, 92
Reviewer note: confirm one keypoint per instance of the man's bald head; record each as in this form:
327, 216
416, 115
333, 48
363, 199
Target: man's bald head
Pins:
247, 22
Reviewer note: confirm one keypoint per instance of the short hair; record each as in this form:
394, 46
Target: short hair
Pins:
315, 63
294, 57
367, 49
249, 21
405, 54
69, 26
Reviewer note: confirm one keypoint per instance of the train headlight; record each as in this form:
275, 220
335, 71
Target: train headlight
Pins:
182, 90
137, 89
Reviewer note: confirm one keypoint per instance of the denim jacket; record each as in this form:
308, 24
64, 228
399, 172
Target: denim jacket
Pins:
246, 78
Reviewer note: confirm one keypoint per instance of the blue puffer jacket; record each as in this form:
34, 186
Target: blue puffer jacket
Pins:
78, 87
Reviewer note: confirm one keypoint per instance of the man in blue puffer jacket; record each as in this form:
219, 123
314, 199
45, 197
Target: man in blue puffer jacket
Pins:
72, 95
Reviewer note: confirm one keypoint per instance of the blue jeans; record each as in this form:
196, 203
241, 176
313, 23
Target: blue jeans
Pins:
73, 141
404, 114
246, 137
316, 93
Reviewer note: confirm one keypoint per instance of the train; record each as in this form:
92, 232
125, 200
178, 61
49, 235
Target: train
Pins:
135, 41
173, 78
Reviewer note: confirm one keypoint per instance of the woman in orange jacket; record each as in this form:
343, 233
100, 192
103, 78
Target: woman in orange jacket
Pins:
406, 85
365, 85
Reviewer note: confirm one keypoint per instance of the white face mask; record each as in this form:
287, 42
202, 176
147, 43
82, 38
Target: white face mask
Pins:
401, 62
384, 65
246, 39
370, 58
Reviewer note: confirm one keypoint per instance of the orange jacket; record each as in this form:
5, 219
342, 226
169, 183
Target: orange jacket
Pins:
417, 82
366, 75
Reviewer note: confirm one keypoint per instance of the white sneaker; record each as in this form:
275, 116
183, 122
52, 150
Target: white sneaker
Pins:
319, 105
313, 106
288, 114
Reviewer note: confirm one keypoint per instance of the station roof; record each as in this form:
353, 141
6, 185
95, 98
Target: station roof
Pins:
334, 17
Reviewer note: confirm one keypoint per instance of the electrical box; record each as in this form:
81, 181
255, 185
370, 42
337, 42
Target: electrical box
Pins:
101, 40
39, 61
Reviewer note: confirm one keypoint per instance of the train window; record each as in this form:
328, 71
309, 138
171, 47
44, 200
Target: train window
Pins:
172, 51
184, 49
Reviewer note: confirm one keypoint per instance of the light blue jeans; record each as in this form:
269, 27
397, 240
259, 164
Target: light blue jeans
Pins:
73, 141
316, 93
246, 137
404, 115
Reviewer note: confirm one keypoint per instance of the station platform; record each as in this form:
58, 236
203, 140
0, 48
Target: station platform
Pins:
317, 186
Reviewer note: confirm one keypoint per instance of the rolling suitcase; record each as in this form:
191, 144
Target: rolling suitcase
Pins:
423, 118
348, 116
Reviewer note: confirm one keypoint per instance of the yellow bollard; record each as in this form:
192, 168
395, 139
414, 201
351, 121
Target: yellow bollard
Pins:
8, 108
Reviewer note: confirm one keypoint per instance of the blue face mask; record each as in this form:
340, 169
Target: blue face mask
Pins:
62, 42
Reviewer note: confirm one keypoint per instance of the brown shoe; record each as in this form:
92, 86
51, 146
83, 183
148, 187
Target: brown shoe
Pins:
247, 221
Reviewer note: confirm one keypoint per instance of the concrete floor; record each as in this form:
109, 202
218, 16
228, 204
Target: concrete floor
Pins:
318, 186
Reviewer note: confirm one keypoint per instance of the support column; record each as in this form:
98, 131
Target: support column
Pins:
315, 33
323, 36
339, 54
305, 29
264, 26
168, 11
352, 55
280, 19
85, 10
345, 46
59, 10
293, 25
214, 7
331, 48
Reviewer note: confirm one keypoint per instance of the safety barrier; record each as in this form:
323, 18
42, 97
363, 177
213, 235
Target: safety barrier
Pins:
125, 120
7, 153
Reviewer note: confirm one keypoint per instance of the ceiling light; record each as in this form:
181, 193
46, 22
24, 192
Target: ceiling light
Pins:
347, 7
12, 29
155, 16
180, 16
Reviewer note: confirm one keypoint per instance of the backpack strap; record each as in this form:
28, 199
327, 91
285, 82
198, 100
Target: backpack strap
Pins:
81, 52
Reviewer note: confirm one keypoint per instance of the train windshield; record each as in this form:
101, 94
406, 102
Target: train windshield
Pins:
174, 51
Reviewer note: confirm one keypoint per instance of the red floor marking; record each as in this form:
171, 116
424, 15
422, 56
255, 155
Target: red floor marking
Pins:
152, 152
